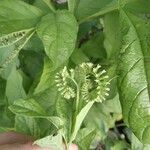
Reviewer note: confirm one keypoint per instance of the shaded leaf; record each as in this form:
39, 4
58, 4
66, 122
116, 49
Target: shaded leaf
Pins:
88, 9
14, 87
17, 12
47, 78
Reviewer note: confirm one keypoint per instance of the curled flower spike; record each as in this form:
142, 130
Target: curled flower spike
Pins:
93, 88
62, 82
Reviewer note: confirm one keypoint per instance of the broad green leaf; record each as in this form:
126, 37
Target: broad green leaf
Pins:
27, 107
112, 33
17, 47
58, 33
137, 145
79, 119
88, 9
52, 142
47, 99
4, 54
17, 15
14, 87
31, 108
12, 38
27, 125
85, 138
134, 75
56, 121
65, 111
72, 4
47, 78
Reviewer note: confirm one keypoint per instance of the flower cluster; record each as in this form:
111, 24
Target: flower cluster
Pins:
94, 87
62, 80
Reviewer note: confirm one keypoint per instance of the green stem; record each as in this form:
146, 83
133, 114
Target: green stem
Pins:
77, 101
76, 109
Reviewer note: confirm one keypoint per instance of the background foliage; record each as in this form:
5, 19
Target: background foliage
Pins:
39, 37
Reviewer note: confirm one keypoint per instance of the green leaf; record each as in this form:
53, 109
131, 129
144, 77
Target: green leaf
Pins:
31, 108
47, 78
52, 142
112, 35
14, 87
134, 75
138, 6
27, 125
72, 4
88, 9
58, 33
85, 138
136, 144
17, 15
47, 99
6, 52
12, 38
64, 110
17, 47
79, 119
27, 107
